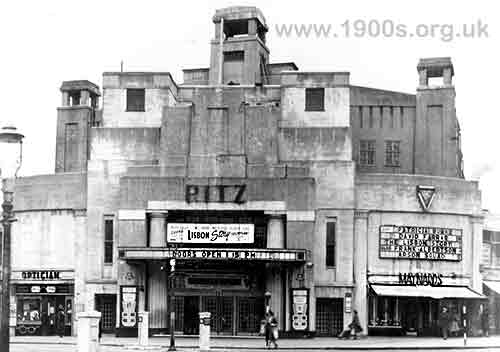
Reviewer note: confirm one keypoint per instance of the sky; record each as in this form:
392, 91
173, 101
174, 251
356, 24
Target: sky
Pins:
47, 42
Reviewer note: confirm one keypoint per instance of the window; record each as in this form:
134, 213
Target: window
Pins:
135, 99
238, 55
315, 99
108, 241
330, 244
392, 153
28, 309
367, 153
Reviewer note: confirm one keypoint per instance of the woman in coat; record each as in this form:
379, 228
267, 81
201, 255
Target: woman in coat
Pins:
271, 332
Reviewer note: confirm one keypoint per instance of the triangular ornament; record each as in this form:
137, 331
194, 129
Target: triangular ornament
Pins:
425, 195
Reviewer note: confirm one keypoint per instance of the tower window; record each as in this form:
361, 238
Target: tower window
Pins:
108, 240
392, 151
315, 99
136, 99
330, 244
367, 152
234, 56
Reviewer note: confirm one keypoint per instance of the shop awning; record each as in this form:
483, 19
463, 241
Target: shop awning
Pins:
493, 285
425, 291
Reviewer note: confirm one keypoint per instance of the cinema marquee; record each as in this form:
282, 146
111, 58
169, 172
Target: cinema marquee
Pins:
420, 243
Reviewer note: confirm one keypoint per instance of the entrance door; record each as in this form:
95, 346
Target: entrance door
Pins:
191, 319
106, 304
409, 310
329, 316
49, 309
222, 310
250, 313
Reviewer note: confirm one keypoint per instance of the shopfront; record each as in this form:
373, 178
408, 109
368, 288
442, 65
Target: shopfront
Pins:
401, 308
39, 295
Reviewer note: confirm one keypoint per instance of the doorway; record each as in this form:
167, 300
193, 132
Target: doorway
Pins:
106, 304
49, 308
222, 309
329, 316
191, 319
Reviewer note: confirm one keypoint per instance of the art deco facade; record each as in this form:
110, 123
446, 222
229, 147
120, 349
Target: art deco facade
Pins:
258, 178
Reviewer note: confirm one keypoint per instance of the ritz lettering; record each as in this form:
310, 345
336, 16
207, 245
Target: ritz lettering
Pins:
216, 193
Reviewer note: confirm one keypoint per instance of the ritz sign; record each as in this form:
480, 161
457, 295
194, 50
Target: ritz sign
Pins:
216, 193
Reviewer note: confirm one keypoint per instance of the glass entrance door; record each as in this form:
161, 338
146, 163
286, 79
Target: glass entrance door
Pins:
222, 311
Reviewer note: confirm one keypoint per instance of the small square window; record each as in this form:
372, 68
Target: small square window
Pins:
367, 153
315, 99
392, 151
136, 99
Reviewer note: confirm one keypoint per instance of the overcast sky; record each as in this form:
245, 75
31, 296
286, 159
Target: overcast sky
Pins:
47, 42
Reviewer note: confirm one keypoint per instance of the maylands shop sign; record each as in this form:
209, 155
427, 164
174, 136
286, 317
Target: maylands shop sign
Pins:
420, 243
420, 279
210, 233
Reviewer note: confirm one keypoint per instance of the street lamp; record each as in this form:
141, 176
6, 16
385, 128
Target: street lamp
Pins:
267, 298
172, 305
8, 136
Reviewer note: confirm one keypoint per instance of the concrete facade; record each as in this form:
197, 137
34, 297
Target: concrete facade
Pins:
490, 268
210, 150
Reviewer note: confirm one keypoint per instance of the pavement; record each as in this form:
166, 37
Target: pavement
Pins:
371, 343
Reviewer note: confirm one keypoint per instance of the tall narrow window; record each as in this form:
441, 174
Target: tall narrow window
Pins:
136, 99
392, 152
108, 240
367, 153
71, 147
330, 244
315, 99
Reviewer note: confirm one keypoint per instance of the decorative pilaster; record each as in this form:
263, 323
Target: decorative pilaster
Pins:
476, 244
361, 266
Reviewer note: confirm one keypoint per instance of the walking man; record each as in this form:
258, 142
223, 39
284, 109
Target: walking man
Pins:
444, 322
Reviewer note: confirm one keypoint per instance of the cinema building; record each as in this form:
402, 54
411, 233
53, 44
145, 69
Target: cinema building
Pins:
270, 186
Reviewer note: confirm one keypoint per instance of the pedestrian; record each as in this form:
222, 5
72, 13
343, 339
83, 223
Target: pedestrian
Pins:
60, 321
444, 322
99, 333
354, 327
271, 330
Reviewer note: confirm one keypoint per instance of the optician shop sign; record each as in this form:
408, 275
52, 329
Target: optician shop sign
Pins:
420, 243
210, 233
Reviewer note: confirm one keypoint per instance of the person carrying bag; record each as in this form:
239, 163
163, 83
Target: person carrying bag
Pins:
271, 330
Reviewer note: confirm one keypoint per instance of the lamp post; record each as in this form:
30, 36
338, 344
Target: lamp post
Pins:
172, 305
8, 135
267, 298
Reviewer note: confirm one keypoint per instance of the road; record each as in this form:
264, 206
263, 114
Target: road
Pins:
72, 348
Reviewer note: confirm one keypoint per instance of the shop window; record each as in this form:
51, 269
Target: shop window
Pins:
330, 244
392, 151
108, 240
315, 99
136, 99
28, 310
367, 153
